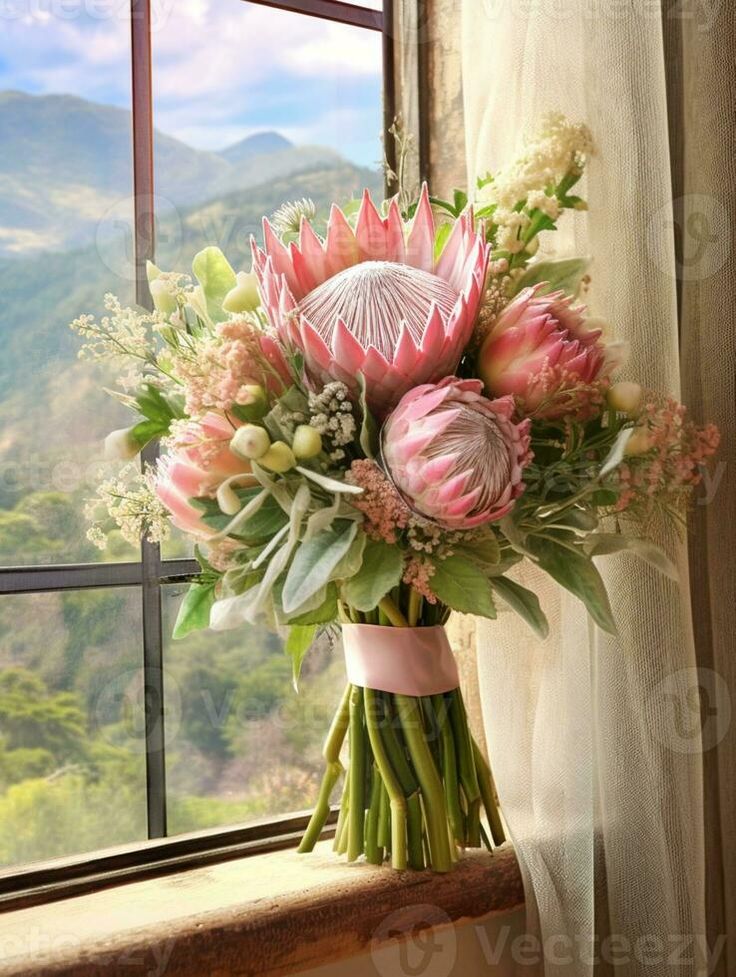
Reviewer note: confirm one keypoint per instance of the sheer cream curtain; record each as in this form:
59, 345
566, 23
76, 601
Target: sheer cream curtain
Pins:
595, 741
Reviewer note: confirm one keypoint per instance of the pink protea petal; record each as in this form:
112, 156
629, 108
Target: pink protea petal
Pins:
395, 246
434, 335
313, 251
346, 348
406, 354
341, 248
280, 257
420, 245
370, 232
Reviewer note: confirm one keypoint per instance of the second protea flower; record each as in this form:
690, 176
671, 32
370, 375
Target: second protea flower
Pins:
456, 456
542, 350
375, 301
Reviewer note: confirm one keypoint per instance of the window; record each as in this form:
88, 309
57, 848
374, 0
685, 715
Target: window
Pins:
110, 733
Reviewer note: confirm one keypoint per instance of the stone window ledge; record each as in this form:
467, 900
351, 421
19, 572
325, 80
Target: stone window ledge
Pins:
261, 916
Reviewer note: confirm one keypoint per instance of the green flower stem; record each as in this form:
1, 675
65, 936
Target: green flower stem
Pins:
356, 775
466, 767
449, 770
340, 827
322, 807
338, 729
430, 784
393, 613
384, 819
342, 843
409, 783
397, 801
488, 792
331, 753
414, 610
374, 853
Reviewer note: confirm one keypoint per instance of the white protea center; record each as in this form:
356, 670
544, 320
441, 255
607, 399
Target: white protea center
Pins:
481, 455
373, 299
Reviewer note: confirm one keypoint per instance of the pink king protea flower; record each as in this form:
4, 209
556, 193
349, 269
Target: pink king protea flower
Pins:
374, 300
456, 456
541, 350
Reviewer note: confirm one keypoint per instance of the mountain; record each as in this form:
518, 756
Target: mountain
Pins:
255, 145
66, 166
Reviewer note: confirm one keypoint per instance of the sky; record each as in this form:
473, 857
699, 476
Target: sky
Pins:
222, 69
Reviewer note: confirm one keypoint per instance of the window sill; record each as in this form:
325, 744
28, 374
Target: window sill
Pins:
266, 915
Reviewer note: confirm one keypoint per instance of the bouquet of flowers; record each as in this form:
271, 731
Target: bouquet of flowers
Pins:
368, 431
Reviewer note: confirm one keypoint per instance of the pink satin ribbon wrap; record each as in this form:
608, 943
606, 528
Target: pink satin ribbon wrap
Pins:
407, 661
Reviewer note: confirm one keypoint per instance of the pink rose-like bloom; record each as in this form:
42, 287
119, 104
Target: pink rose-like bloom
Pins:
456, 456
199, 463
374, 300
540, 351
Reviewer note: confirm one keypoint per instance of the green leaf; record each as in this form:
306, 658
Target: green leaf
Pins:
368, 428
213, 272
315, 562
146, 431
352, 561
564, 273
379, 573
462, 585
194, 610
298, 643
570, 567
324, 613
486, 550
603, 544
443, 233
524, 601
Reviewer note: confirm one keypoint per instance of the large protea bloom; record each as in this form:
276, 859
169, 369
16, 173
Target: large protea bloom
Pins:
542, 351
375, 301
456, 456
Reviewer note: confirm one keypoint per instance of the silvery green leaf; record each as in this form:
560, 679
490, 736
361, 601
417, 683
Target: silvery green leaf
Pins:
351, 562
369, 437
603, 544
270, 547
314, 563
329, 484
616, 455
322, 519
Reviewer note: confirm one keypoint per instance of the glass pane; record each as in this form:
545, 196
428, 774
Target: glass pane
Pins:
259, 106
72, 758
240, 743
65, 240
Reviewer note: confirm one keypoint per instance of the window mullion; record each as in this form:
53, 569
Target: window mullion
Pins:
143, 209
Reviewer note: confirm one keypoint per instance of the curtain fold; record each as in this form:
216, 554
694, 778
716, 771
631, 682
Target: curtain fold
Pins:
596, 741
